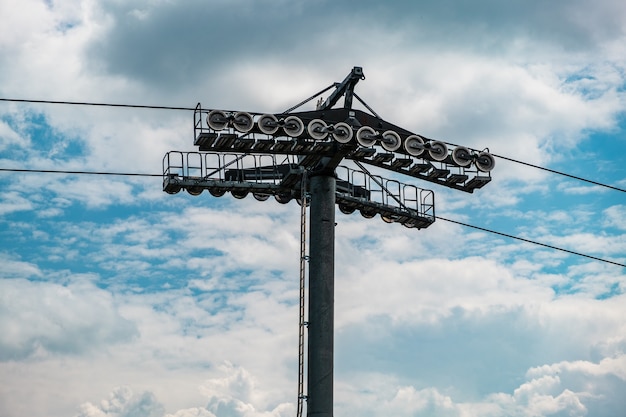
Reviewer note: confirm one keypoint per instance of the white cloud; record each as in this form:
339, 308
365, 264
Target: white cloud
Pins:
581, 189
615, 365
122, 402
10, 138
421, 291
235, 395
541, 395
13, 202
534, 398
192, 412
590, 243
615, 216
41, 319
12, 268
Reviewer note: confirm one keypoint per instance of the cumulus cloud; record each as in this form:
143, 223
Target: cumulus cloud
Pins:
230, 395
548, 391
41, 318
123, 402
615, 365
540, 395
235, 395
192, 412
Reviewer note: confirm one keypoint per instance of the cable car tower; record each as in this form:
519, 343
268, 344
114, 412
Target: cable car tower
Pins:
299, 155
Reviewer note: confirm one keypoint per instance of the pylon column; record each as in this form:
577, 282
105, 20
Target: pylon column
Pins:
321, 296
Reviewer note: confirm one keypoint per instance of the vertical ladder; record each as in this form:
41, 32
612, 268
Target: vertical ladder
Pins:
302, 323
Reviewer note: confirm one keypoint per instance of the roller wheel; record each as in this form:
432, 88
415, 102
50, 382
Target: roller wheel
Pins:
293, 126
414, 145
366, 136
317, 129
217, 120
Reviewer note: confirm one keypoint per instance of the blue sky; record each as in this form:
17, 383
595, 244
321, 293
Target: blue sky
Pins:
119, 300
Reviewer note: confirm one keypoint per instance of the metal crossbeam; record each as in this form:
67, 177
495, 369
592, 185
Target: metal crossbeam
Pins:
424, 164
355, 190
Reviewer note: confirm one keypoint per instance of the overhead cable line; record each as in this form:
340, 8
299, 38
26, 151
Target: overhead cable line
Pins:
57, 171
531, 241
51, 171
80, 103
139, 106
561, 173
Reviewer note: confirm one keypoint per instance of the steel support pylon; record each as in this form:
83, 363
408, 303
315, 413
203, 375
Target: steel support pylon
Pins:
273, 154
321, 296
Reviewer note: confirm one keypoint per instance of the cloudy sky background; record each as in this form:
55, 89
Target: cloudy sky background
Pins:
117, 299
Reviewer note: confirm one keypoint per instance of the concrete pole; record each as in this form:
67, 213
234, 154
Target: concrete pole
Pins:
321, 296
